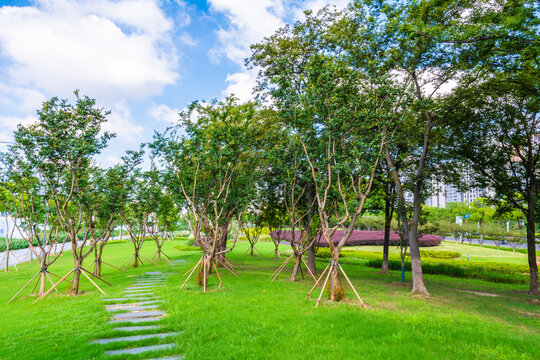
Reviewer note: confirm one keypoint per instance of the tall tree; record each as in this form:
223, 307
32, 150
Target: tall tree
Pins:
60, 148
211, 172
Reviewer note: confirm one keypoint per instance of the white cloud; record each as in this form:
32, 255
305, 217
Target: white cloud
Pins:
249, 23
316, 5
121, 123
20, 98
112, 160
185, 38
11, 122
113, 49
8, 124
241, 84
164, 113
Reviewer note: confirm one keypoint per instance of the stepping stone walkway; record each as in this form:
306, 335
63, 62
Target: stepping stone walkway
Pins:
138, 305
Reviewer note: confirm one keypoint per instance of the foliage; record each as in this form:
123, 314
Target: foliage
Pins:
440, 254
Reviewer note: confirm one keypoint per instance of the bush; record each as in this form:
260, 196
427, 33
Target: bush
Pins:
16, 244
185, 248
439, 254
493, 272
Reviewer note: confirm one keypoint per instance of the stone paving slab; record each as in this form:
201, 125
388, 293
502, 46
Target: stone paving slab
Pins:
137, 328
134, 338
135, 321
138, 291
138, 294
168, 358
147, 298
131, 308
138, 314
140, 350
143, 286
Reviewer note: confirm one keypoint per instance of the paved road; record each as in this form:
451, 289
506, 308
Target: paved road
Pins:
489, 242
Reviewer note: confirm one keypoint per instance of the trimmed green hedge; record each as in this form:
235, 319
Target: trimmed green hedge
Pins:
16, 244
493, 272
443, 254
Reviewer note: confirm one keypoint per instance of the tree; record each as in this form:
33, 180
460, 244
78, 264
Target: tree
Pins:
498, 127
337, 116
112, 193
252, 227
23, 197
60, 148
164, 215
211, 172
137, 213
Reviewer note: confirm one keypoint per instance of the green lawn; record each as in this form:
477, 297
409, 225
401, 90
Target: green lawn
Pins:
253, 318
475, 253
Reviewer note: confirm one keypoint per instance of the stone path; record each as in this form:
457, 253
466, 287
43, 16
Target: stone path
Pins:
139, 305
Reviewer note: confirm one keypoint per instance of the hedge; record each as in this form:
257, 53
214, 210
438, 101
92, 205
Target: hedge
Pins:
360, 238
493, 272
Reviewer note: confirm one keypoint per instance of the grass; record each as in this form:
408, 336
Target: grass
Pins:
475, 253
255, 318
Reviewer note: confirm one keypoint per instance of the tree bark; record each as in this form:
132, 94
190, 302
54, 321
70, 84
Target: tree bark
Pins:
7, 254
297, 264
387, 223
136, 258
311, 250
77, 264
531, 246
416, 264
336, 287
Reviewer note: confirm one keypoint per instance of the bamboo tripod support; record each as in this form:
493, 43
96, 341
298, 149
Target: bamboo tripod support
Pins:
254, 248
284, 264
205, 269
6, 258
64, 278
95, 263
47, 274
331, 266
155, 254
126, 262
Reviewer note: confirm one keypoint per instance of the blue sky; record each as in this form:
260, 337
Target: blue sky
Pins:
144, 60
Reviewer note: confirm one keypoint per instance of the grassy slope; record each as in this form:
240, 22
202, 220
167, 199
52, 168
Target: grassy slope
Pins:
257, 319
476, 253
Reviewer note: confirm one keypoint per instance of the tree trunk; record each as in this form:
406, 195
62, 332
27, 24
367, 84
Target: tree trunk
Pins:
311, 251
297, 264
76, 279
531, 247
136, 258
77, 265
416, 264
7, 255
276, 251
251, 249
337, 292
387, 224
159, 246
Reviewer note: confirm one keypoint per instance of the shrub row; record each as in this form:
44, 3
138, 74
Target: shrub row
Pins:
16, 244
443, 254
359, 238
493, 272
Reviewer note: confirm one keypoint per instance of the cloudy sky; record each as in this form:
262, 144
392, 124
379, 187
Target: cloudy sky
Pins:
142, 59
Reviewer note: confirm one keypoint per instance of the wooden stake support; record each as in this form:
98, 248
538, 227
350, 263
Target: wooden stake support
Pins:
206, 271
329, 268
47, 274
